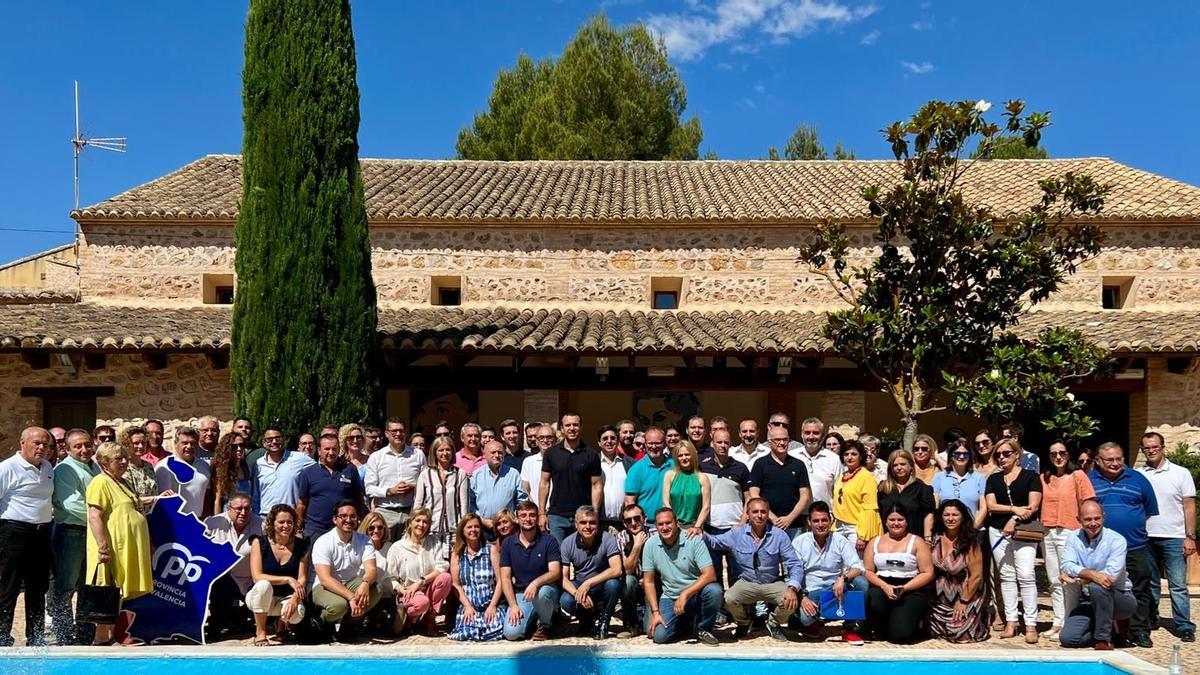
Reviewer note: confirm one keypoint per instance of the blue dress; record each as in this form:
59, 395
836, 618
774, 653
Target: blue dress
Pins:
478, 580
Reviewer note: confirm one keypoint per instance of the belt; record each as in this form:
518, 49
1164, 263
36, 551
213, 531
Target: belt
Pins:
70, 526
24, 525
397, 508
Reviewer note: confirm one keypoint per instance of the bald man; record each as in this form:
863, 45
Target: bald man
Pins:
26, 490
1094, 567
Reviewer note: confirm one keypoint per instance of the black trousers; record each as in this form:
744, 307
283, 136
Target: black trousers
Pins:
24, 560
899, 620
1139, 565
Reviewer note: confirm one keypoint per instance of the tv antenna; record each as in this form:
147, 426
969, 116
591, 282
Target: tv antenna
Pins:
79, 142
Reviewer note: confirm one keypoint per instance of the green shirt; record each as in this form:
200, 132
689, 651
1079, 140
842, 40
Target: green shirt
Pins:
71, 478
678, 566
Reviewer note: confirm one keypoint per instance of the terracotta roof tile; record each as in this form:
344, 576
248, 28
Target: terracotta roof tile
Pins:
643, 192
510, 330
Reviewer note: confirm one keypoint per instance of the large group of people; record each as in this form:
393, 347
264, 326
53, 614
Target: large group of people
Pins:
532, 532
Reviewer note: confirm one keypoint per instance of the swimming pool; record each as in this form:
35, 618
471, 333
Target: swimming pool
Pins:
556, 660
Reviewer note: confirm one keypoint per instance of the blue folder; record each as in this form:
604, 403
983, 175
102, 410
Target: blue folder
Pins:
851, 607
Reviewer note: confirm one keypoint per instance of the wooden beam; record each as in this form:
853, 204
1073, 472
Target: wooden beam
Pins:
36, 360
156, 360
218, 360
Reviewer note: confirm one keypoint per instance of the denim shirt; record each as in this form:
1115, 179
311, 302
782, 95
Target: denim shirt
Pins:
775, 549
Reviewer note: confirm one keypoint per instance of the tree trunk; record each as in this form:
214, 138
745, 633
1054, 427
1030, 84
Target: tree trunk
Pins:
910, 431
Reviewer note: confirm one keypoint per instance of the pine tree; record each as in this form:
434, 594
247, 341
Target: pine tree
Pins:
304, 323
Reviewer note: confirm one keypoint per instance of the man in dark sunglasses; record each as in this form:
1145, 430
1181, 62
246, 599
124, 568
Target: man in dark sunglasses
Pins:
630, 541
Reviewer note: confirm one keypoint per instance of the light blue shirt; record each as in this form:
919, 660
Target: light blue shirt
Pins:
773, 550
71, 478
644, 483
1030, 461
278, 483
968, 489
1105, 553
822, 566
492, 492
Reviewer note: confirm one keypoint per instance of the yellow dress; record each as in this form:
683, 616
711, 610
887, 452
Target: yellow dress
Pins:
128, 537
856, 501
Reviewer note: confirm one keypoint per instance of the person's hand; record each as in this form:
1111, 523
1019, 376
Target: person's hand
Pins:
405, 488
1009, 528
680, 604
1189, 547
358, 604
489, 613
1105, 580
581, 594
656, 620
297, 587
514, 615
960, 611
790, 599
469, 613
810, 608
839, 587
782, 522
530, 592
640, 538
1068, 579
104, 554
892, 592
544, 522
693, 532
167, 493
1022, 512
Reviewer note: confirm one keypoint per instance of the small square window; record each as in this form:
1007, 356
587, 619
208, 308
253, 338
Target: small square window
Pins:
666, 300
218, 289
445, 291
449, 296
1115, 292
224, 295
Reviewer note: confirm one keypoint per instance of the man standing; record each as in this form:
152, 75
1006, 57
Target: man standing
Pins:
750, 450
495, 487
322, 486
615, 468
572, 469
245, 428
210, 435
71, 478
1172, 532
470, 457
183, 474
643, 483
26, 488
155, 452
626, 432
591, 595
391, 480
530, 572
760, 550
277, 473
690, 592
1129, 500
783, 481
824, 466
830, 564
344, 560
729, 479
531, 468
781, 420
1094, 564
510, 436
697, 434
531, 429
237, 526
59, 452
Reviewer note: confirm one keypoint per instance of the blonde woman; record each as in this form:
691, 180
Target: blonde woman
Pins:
383, 618
903, 488
443, 490
1014, 496
139, 475
352, 442
925, 451
687, 490
419, 571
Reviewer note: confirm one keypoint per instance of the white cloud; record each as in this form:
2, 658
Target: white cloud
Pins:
748, 103
922, 25
760, 88
870, 38
917, 68
689, 34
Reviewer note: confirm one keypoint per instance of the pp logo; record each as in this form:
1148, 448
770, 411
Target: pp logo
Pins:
841, 611
180, 564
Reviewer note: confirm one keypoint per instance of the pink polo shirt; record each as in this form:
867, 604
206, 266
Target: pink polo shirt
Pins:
468, 464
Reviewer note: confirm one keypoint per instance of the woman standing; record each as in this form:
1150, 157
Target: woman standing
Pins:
475, 569
353, 441
924, 452
855, 500
1014, 496
279, 567
899, 569
442, 490
833, 441
687, 490
1064, 488
140, 475
118, 544
229, 470
903, 488
419, 571
985, 459
959, 610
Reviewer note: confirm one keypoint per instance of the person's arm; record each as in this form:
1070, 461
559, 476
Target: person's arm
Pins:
510, 595
96, 527
705, 503
419, 493
801, 505
301, 509
651, 593
552, 575
497, 590
468, 608
666, 488
869, 566
707, 576
371, 482
924, 567
981, 513
543, 497
615, 570
635, 553
463, 495
1189, 526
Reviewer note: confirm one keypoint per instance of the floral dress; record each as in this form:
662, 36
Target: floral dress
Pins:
950, 578
478, 580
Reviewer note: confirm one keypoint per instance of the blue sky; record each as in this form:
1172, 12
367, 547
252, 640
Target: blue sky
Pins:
1119, 77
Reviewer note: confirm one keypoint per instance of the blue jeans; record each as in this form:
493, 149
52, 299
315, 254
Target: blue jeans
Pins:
542, 608
604, 602
633, 601
858, 583
561, 527
701, 608
1168, 553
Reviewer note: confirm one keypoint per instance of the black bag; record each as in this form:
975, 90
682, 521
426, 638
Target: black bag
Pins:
98, 604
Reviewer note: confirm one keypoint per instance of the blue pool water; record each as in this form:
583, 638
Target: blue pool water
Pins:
278, 662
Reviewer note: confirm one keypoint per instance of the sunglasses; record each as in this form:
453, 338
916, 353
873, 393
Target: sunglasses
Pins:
634, 519
545, 438
920, 448
444, 434
377, 528
239, 446
639, 444
983, 444
961, 455
356, 437
1058, 453
1006, 453
778, 424
110, 439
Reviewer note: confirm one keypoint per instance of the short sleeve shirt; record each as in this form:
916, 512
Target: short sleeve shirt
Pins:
779, 484
729, 484
1027, 482
321, 490
588, 563
529, 563
1172, 484
571, 475
678, 566
345, 559
1128, 502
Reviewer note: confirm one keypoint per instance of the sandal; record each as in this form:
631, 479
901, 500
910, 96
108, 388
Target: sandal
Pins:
1010, 631
264, 642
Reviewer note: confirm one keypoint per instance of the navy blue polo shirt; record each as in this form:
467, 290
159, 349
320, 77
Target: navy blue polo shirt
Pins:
528, 563
515, 461
322, 490
1128, 501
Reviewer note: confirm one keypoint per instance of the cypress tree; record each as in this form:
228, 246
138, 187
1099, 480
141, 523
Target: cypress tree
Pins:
304, 318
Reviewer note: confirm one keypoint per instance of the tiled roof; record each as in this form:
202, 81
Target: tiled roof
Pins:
505, 330
35, 296
463, 191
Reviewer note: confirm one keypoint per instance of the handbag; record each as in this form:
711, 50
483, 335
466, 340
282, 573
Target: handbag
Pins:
1033, 530
852, 606
98, 603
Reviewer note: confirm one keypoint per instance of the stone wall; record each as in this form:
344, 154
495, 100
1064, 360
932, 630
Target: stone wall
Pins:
188, 388
1172, 403
722, 267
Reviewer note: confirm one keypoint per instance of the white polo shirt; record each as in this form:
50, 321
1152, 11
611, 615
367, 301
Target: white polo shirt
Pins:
823, 469
26, 491
1172, 484
749, 458
345, 560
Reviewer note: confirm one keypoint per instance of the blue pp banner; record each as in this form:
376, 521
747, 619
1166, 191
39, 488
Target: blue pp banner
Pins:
185, 565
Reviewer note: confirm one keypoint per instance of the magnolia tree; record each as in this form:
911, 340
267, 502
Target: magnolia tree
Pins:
934, 312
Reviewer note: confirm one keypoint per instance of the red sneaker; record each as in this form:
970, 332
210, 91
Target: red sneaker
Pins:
852, 638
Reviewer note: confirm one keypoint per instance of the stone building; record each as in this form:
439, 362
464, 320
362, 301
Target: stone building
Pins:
620, 289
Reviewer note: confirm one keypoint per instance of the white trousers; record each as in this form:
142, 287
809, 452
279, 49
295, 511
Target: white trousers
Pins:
1016, 560
261, 600
1054, 547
